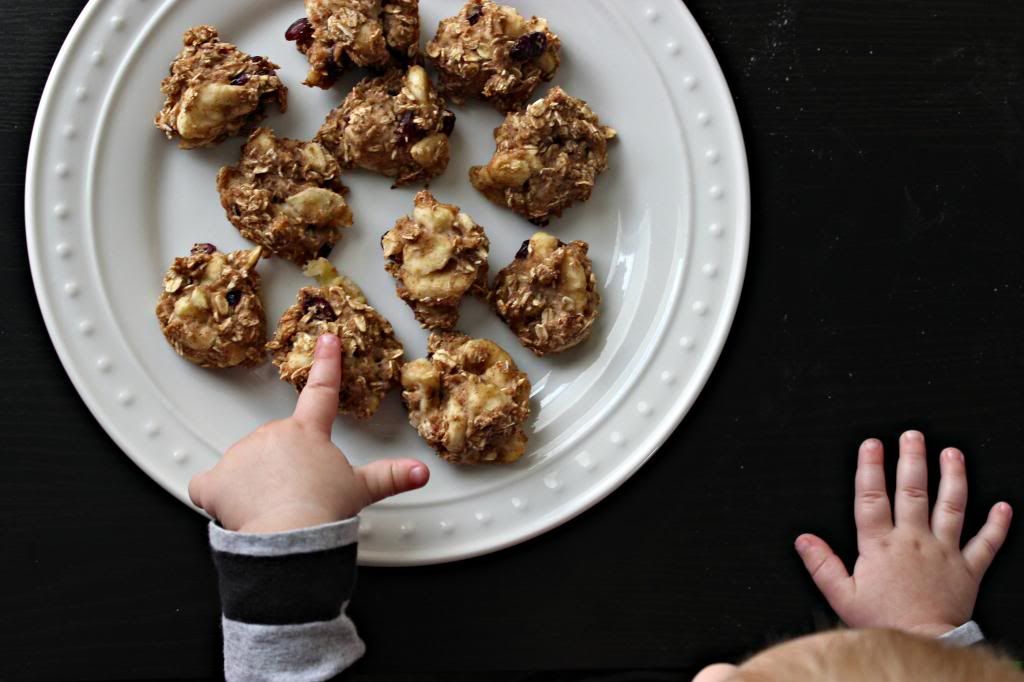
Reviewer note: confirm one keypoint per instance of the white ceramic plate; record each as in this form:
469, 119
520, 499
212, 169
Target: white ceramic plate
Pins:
110, 202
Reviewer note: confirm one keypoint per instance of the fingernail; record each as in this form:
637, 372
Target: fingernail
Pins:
872, 444
913, 436
954, 455
419, 475
1005, 508
326, 341
802, 544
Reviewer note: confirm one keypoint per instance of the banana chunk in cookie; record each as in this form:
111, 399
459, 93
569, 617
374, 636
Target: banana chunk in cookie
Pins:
335, 34
492, 52
437, 255
548, 296
468, 400
548, 157
210, 310
371, 355
287, 196
215, 91
395, 125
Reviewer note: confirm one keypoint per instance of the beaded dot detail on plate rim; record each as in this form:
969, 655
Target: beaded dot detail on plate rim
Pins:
690, 82
63, 250
710, 270
81, 94
643, 408
686, 343
103, 364
552, 483
712, 156
96, 58
700, 308
519, 503
617, 438
152, 429
585, 460
86, 327
668, 377
62, 170
179, 456
72, 289
70, 132
447, 527
652, 15
406, 530
674, 49
704, 118
125, 397
716, 192
716, 230
483, 518
61, 211
117, 22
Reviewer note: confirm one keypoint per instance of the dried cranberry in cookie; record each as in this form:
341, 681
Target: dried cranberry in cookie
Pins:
395, 125
548, 157
490, 51
215, 91
210, 310
368, 33
371, 355
437, 255
468, 400
548, 295
287, 196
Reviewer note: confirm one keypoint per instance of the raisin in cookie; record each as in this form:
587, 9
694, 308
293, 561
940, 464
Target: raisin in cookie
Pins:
437, 255
395, 125
548, 295
490, 51
215, 91
548, 157
371, 355
210, 310
468, 400
287, 196
336, 33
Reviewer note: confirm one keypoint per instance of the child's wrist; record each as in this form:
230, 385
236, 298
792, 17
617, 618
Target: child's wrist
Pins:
288, 518
933, 629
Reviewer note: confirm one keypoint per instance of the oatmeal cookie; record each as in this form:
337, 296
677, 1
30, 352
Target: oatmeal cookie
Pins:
210, 310
437, 255
287, 196
488, 50
373, 33
548, 295
215, 91
468, 400
371, 355
548, 157
395, 125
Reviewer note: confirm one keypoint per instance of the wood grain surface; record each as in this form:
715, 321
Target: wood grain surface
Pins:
885, 291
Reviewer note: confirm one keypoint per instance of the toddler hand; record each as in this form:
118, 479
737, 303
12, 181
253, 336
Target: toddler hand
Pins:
910, 576
288, 474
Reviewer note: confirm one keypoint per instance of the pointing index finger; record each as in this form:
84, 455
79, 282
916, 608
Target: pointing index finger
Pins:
318, 402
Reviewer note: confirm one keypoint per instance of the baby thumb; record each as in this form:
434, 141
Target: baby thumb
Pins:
392, 476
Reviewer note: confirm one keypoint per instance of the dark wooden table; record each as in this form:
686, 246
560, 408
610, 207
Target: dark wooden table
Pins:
885, 291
